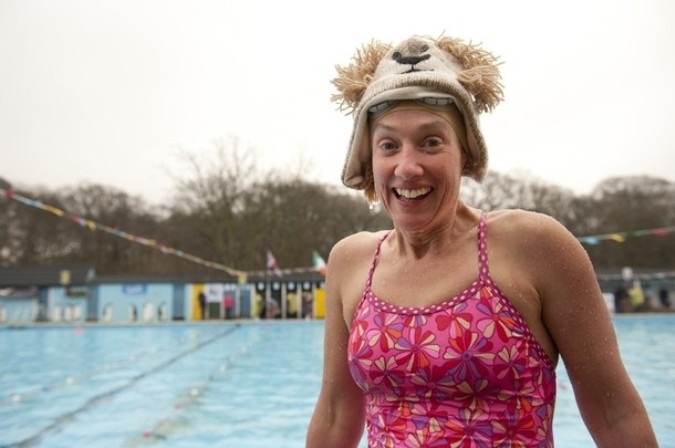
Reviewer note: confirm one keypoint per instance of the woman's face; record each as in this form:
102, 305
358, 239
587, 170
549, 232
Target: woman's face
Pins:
417, 166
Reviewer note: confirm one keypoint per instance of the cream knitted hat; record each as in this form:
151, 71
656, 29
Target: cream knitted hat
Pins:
420, 68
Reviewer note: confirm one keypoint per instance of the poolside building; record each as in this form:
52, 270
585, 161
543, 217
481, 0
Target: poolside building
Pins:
44, 293
72, 294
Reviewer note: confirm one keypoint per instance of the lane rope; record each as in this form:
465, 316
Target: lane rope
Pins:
65, 417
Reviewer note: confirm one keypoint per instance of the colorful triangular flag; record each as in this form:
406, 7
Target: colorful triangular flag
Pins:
319, 263
272, 263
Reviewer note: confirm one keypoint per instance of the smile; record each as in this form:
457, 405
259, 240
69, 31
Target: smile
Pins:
415, 193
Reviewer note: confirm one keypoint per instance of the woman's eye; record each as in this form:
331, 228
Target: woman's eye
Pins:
432, 143
387, 146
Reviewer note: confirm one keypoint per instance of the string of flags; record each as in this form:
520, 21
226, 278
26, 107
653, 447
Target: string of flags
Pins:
620, 237
318, 263
7, 191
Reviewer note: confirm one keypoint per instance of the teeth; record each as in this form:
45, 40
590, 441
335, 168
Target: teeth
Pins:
412, 194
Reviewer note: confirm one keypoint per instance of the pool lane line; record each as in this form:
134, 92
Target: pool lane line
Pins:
162, 429
70, 380
22, 397
58, 421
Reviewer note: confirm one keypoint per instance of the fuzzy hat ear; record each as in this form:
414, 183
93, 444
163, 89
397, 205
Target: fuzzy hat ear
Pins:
480, 75
417, 68
353, 79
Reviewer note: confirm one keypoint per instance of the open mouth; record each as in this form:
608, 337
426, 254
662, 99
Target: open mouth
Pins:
412, 194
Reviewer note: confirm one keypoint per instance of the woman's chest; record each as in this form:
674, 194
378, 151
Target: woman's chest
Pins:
474, 336
424, 285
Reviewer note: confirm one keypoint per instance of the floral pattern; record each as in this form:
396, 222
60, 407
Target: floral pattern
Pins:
464, 373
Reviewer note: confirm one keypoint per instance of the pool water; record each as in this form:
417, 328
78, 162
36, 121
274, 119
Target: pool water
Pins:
647, 345
244, 385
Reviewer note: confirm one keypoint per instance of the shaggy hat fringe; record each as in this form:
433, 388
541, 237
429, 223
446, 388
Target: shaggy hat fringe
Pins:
480, 75
353, 79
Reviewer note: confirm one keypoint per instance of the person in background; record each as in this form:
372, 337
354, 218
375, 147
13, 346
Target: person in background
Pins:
259, 306
228, 305
271, 308
307, 305
446, 330
202, 304
664, 298
622, 303
637, 297
292, 305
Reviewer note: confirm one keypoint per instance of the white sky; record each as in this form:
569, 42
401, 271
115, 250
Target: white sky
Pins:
110, 91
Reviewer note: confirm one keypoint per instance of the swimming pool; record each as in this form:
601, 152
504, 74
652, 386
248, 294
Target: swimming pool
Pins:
245, 385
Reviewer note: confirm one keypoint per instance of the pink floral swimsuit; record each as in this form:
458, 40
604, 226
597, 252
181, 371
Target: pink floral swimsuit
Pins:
463, 373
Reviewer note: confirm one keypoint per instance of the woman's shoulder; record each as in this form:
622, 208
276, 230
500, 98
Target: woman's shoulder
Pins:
357, 244
524, 230
351, 256
524, 222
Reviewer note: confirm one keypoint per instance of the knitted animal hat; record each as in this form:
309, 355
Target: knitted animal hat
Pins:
435, 70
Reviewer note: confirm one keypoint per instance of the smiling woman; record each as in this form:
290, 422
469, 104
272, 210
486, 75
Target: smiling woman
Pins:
447, 329
409, 140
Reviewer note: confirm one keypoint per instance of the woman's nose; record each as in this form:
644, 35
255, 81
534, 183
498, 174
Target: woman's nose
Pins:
407, 165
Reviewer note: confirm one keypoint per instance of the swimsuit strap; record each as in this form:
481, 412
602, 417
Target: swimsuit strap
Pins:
376, 257
484, 271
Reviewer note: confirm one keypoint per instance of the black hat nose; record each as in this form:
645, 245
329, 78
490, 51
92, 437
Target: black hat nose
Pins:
412, 60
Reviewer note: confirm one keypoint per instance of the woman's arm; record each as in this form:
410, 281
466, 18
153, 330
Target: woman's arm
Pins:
338, 418
577, 318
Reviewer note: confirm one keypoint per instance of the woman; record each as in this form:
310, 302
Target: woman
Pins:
446, 330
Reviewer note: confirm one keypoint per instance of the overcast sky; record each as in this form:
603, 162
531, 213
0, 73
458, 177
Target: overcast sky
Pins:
110, 92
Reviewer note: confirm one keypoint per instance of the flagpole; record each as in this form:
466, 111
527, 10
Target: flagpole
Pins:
271, 265
267, 293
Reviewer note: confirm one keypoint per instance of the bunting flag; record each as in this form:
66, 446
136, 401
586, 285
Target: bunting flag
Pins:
272, 264
621, 237
319, 263
638, 275
6, 191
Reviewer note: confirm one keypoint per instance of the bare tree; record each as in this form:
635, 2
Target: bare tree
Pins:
627, 205
500, 191
33, 235
224, 210
293, 218
210, 199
